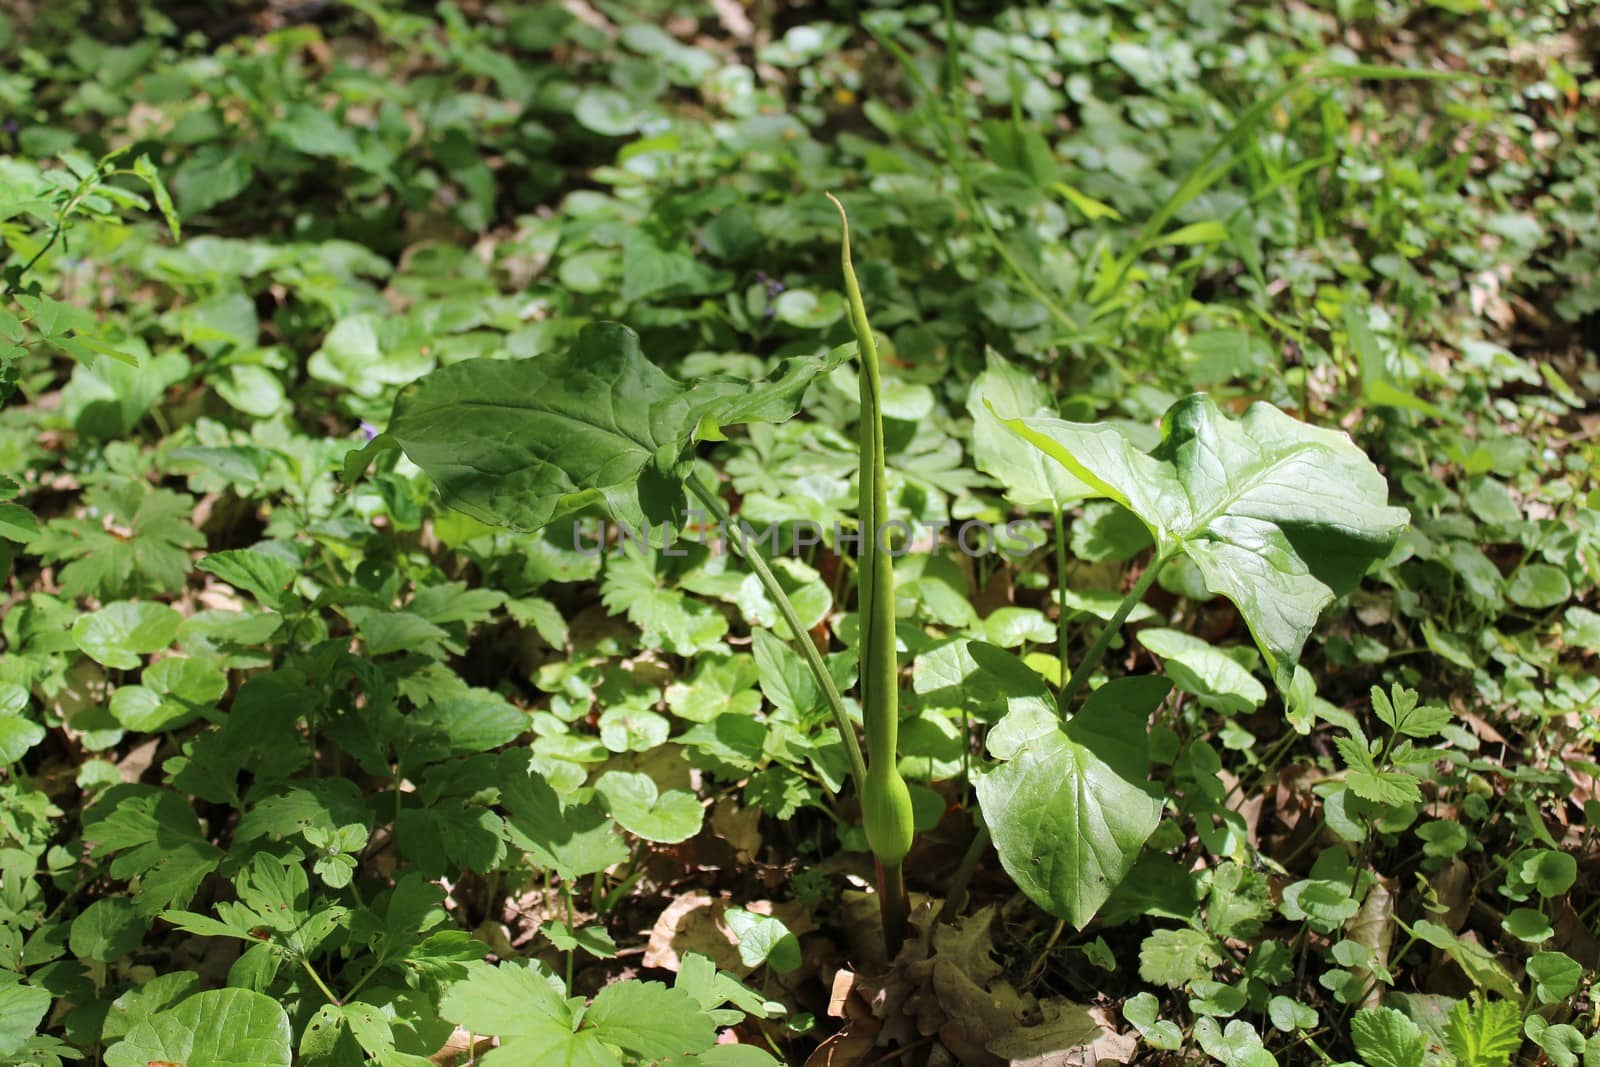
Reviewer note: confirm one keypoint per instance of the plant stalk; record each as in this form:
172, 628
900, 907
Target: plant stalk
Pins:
1097, 651
894, 906
1061, 607
791, 618
886, 809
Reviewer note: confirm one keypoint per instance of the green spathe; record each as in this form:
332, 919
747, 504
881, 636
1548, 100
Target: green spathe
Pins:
1279, 517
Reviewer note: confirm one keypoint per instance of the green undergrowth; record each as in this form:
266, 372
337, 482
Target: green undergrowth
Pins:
486, 741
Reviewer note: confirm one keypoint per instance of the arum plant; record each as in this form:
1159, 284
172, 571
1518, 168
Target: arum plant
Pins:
1279, 517
525, 443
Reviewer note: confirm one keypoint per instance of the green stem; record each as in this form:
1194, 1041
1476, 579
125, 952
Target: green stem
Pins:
1061, 608
791, 618
879, 672
566, 901
1097, 651
335, 1001
894, 906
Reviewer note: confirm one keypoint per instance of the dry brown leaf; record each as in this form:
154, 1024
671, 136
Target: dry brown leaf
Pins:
853, 1046
695, 923
1453, 886
131, 768
460, 1045
1373, 928
1069, 1035
738, 826
691, 924
733, 18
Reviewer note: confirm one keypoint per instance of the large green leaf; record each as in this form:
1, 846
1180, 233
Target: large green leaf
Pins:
1030, 479
219, 1028
22, 1009
523, 442
1278, 516
1071, 809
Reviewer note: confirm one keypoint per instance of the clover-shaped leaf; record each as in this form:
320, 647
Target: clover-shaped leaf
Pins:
642, 809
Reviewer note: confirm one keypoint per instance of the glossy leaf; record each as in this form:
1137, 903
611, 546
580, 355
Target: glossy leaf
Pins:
1031, 479
1070, 811
1279, 517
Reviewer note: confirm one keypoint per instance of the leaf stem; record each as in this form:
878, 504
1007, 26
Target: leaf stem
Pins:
955, 894
335, 1001
1097, 651
791, 618
1061, 608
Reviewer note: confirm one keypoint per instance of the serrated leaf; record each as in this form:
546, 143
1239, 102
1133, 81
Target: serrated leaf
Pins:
1386, 1038
263, 576
650, 1020
107, 930
575, 840
1389, 787
508, 1001
1174, 958
1483, 1033
17, 523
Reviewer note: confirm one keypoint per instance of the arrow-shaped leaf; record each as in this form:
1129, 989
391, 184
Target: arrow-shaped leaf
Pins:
524, 442
1070, 811
1279, 517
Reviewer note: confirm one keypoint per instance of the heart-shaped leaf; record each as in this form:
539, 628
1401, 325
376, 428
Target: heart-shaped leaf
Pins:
1278, 516
1070, 811
218, 1028
118, 634
1030, 479
635, 802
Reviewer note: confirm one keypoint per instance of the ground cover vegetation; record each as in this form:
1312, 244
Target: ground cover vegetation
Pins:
501, 569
